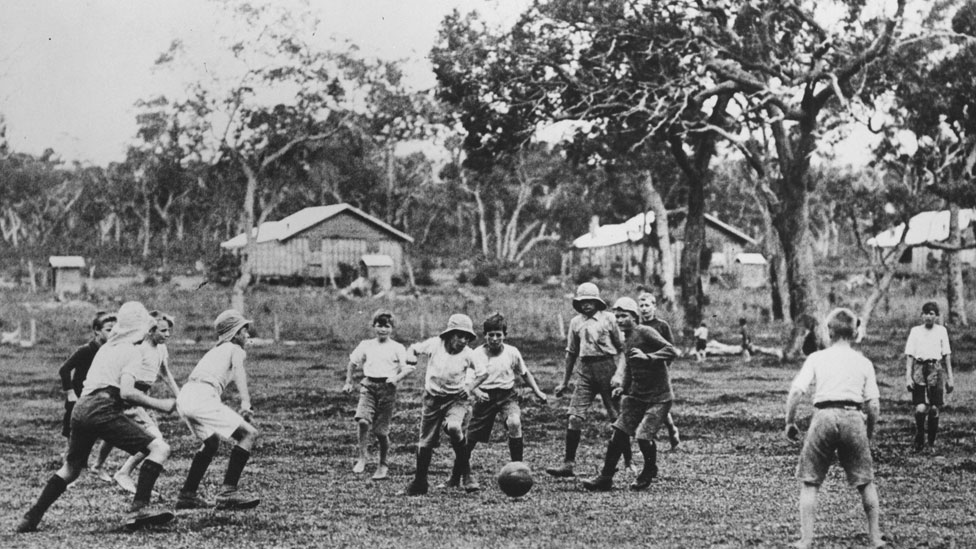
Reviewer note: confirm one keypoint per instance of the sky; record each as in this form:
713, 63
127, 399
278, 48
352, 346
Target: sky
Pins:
72, 70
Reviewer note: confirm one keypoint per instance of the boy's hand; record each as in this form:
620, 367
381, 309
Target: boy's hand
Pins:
617, 391
479, 395
560, 389
170, 405
347, 388
248, 415
911, 386
792, 432
637, 353
70, 396
949, 388
542, 396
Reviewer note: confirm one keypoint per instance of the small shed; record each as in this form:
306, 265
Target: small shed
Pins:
66, 273
750, 270
378, 270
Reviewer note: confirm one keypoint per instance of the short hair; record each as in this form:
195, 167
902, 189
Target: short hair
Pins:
383, 316
102, 318
930, 307
645, 295
159, 315
496, 323
742, 321
842, 323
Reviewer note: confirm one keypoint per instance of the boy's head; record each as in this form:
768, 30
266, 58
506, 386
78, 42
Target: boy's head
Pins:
930, 312
703, 324
132, 323
742, 321
102, 325
163, 329
231, 326
495, 331
587, 300
459, 332
842, 324
626, 312
383, 324
647, 304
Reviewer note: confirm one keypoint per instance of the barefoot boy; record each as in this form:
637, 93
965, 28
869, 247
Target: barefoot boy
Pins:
384, 364
845, 389
447, 397
928, 373
211, 420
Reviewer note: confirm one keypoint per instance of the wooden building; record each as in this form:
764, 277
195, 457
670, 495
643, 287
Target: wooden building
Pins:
311, 243
925, 228
751, 270
66, 273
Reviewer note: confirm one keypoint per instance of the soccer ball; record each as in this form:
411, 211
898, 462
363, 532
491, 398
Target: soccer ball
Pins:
515, 479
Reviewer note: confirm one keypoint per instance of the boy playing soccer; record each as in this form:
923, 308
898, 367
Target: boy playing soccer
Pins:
926, 351
845, 389
647, 304
98, 415
594, 339
210, 419
74, 370
647, 396
447, 398
384, 364
497, 394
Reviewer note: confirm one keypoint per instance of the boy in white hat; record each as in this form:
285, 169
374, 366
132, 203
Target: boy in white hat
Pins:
593, 338
98, 415
211, 420
447, 397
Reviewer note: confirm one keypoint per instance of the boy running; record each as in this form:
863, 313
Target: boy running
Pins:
647, 397
98, 415
384, 364
211, 420
845, 401
497, 395
647, 304
447, 398
74, 370
926, 351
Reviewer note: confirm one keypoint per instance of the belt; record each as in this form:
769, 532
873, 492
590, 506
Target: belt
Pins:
376, 379
590, 359
842, 404
928, 360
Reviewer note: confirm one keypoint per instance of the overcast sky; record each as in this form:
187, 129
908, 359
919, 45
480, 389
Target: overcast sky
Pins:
71, 70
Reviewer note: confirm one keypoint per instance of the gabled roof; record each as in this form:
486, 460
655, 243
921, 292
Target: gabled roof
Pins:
303, 220
922, 228
630, 231
66, 261
750, 259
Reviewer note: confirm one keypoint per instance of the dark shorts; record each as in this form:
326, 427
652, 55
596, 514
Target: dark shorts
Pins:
841, 432
66, 420
502, 402
700, 344
594, 380
377, 400
640, 418
930, 395
447, 411
100, 415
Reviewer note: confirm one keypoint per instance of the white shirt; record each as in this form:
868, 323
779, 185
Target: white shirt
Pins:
838, 373
217, 367
446, 373
501, 368
153, 356
110, 362
379, 359
928, 343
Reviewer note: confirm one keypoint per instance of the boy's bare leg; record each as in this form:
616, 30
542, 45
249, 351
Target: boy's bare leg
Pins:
382, 471
99, 468
869, 499
123, 477
673, 437
808, 512
360, 464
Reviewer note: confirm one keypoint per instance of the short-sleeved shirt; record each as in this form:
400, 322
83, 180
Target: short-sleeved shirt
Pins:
928, 343
153, 357
74, 370
110, 362
501, 368
446, 373
647, 379
701, 332
218, 365
594, 336
379, 359
838, 373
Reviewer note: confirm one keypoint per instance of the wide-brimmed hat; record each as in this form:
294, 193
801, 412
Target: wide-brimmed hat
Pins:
228, 323
588, 291
132, 323
460, 323
628, 305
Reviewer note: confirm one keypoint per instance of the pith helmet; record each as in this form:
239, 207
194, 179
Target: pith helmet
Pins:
588, 291
628, 305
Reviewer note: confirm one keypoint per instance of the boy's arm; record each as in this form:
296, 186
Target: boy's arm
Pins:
165, 372
792, 432
128, 392
530, 380
909, 365
475, 383
872, 409
347, 388
240, 380
948, 364
404, 369
64, 372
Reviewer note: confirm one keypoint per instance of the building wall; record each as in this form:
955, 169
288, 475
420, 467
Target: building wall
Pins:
66, 280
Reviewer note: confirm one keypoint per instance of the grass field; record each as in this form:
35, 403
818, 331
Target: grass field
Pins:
729, 485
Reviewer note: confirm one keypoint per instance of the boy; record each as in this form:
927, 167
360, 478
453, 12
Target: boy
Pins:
497, 394
926, 350
74, 370
593, 338
647, 399
747, 350
647, 304
155, 365
211, 420
447, 398
701, 341
384, 364
845, 388
98, 414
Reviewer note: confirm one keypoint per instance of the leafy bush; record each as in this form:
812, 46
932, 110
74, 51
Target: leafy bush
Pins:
347, 273
224, 269
481, 278
586, 273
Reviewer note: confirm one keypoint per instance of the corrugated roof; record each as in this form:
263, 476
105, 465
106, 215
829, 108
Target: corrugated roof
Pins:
750, 259
377, 260
66, 261
630, 230
305, 219
922, 228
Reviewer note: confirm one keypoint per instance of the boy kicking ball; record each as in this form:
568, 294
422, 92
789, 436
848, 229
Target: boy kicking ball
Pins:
384, 364
211, 420
845, 401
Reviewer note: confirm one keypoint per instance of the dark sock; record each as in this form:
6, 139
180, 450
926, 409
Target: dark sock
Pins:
919, 426
461, 457
628, 455
933, 427
238, 459
572, 443
516, 449
52, 491
424, 455
198, 468
648, 449
148, 474
618, 442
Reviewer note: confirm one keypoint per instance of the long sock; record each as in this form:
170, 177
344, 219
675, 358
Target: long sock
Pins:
468, 449
461, 457
648, 449
573, 437
615, 448
516, 448
933, 427
238, 459
628, 455
198, 468
52, 491
919, 426
148, 474
424, 455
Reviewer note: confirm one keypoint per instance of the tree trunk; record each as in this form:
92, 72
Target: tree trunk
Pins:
656, 204
247, 220
881, 288
955, 290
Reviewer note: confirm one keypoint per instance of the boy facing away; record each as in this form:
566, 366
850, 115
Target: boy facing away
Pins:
928, 373
384, 364
497, 396
447, 398
211, 420
846, 409
647, 397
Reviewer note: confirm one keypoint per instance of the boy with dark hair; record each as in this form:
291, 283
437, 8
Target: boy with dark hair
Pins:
928, 373
846, 409
447, 398
647, 397
74, 370
384, 364
497, 395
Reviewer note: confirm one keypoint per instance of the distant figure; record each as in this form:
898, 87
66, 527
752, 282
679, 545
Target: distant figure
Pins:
747, 349
928, 373
701, 340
